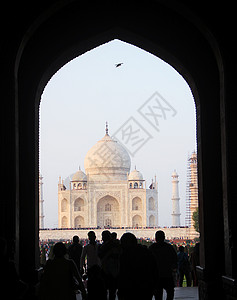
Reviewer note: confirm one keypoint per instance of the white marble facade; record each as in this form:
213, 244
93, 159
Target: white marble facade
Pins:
107, 194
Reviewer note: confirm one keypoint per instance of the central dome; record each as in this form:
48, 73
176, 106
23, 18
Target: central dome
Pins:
107, 160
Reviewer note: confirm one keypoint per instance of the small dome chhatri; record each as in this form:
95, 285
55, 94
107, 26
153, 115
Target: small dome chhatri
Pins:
135, 175
79, 176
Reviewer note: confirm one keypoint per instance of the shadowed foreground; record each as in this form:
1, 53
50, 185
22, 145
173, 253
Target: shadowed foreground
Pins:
185, 293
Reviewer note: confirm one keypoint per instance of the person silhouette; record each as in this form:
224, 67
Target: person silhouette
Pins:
166, 262
12, 287
183, 267
109, 253
137, 270
114, 237
194, 260
43, 257
60, 277
95, 285
75, 250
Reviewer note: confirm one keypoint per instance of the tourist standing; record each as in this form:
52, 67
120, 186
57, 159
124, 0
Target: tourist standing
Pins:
75, 250
95, 284
60, 277
166, 262
109, 253
183, 267
194, 261
137, 270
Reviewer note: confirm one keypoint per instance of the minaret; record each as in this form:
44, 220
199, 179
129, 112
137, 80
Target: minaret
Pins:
41, 203
175, 200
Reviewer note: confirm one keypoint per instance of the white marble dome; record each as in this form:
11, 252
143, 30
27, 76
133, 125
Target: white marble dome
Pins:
108, 160
79, 176
135, 175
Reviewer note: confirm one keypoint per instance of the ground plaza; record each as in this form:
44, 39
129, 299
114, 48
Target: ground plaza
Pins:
149, 233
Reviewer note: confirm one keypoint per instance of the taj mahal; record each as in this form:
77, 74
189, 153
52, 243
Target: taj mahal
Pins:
108, 193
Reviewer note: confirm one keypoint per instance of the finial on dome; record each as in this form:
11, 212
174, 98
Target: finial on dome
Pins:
135, 167
106, 128
79, 168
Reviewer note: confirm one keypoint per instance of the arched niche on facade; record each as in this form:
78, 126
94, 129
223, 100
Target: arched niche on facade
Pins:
151, 203
137, 203
79, 222
152, 221
79, 204
64, 205
137, 221
64, 222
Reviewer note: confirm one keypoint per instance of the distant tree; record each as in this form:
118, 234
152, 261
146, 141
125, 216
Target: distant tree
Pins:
195, 218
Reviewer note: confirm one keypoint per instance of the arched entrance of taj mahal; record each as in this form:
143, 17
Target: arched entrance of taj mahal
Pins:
108, 213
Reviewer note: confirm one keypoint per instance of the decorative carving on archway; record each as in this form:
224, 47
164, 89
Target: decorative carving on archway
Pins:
100, 194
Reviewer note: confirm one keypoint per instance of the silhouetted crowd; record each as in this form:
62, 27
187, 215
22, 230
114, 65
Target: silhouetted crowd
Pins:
122, 268
11, 286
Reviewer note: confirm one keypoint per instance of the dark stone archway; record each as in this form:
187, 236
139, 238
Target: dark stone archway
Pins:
54, 34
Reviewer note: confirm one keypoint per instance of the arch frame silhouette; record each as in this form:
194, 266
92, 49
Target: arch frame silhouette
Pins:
173, 33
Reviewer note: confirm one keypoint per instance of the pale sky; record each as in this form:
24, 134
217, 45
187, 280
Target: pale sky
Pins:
90, 90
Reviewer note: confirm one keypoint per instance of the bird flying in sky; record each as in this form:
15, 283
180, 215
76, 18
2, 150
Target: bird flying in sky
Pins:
118, 65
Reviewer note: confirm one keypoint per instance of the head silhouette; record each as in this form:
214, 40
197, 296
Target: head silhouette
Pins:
128, 240
114, 235
75, 239
160, 236
59, 250
91, 236
106, 235
181, 248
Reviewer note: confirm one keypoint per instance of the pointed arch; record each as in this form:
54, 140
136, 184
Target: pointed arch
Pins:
108, 209
152, 220
137, 221
79, 222
196, 64
137, 203
64, 222
151, 203
64, 205
79, 204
